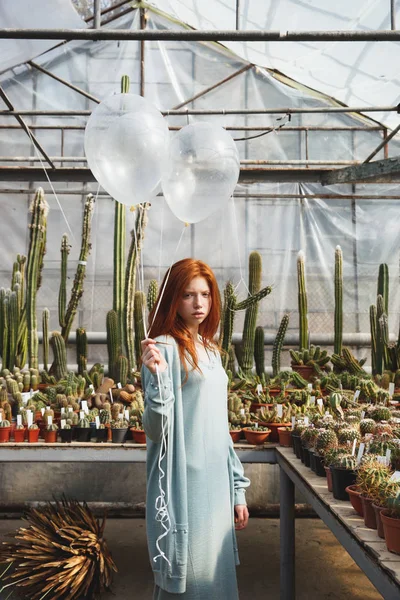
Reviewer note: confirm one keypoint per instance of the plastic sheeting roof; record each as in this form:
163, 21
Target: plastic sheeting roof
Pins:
356, 73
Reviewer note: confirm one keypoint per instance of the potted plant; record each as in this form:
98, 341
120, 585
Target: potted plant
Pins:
139, 435
391, 524
50, 433
234, 430
285, 436
255, 434
5, 429
66, 433
101, 433
83, 431
308, 437
343, 474
299, 426
33, 433
119, 430
382, 495
270, 418
19, 433
324, 441
370, 475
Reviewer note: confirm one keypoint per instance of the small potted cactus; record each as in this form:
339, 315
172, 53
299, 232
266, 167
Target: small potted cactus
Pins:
256, 434
33, 433
343, 474
19, 433
50, 433
235, 432
285, 437
5, 429
83, 431
101, 433
66, 433
119, 430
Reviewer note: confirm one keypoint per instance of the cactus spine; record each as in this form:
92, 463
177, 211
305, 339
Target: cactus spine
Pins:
59, 366
77, 288
113, 342
250, 320
152, 293
39, 209
81, 350
45, 327
278, 344
62, 294
130, 282
338, 301
259, 351
140, 302
302, 301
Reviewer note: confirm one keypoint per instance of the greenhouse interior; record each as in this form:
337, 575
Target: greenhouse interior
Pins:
199, 300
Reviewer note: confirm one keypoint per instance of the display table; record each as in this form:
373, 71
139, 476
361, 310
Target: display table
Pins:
363, 545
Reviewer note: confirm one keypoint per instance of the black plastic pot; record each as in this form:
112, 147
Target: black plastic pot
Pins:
341, 478
66, 435
296, 445
306, 457
119, 435
101, 435
83, 434
317, 463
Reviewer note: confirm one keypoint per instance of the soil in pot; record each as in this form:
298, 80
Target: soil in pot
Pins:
355, 499
83, 434
341, 479
285, 437
139, 436
391, 527
66, 435
328, 478
119, 435
378, 510
369, 513
235, 434
255, 437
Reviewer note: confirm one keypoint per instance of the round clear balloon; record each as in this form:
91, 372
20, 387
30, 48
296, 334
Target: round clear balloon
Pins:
201, 171
126, 145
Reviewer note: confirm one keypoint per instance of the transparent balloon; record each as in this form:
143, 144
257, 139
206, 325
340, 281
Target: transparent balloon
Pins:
201, 171
126, 145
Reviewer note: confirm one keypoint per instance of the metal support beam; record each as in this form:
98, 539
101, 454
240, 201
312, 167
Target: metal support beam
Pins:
383, 144
377, 35
96, 14
142, 51
237, 15
287, 538
61, 80
379, 171
393, 15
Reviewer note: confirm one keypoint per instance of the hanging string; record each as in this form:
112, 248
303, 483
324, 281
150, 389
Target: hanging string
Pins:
94, 254
161, 241
236, 232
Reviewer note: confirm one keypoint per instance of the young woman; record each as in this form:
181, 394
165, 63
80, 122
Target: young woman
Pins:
195, 482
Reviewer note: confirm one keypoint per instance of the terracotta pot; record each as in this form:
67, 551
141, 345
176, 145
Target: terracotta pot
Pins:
274, 437
19, 435
33, 435
235, 434
50, 437
369, 513
257, 405
304, 370
5, 434
255, 437
139, 436
273, 392
328, 478
285, 437
391, 527
378, 510
355, 499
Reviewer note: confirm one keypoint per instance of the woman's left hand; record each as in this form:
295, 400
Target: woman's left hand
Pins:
241, 516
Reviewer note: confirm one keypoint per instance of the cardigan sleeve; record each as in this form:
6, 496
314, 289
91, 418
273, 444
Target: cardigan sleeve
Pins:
240, 482
158, 397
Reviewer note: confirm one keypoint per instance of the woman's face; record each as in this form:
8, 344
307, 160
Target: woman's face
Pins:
195, 303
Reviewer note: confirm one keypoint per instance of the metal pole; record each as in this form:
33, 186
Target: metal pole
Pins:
393, 14
142, 50
61, 80
96, 14
228, 128
237, 15
383, 143
377, 35
287, 537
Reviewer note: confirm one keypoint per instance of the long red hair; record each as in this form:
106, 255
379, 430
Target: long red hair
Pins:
165, 320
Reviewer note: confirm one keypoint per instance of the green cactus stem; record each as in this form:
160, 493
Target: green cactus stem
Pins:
81, 349
278, 344
379, 340
140, 302
113, 342
383, 286
13, 322
119, 263
338, 301
259, 351
45, 341
77, 288
302, 301
373, 329
59, 366
39, 210
62, 294
152, 293
130, 282
122, 370
4, 333
250, 320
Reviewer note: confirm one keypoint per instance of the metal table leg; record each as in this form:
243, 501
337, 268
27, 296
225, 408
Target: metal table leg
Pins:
287, 538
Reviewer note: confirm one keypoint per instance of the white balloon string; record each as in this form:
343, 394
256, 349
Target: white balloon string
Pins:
51, 185
166, 280
140, 278
161, 241
236, 232
161, 503
94, 254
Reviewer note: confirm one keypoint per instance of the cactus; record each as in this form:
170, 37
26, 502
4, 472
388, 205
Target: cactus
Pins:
13, 322
5, 423
77, 288
348, 434
140, 301
119, 263
259, 351
250, 320
122, 370
39, 209
302, 301
62, 294
113, 342
45, 341
278, 343
325, 440
83, 423
338, 300
4, 333
379, 340
373, 329
81, 349
383, 286
152, 293
59, 366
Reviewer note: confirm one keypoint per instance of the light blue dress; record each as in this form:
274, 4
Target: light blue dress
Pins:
211, 568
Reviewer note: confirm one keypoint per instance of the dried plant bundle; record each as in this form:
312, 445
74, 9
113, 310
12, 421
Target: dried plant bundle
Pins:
61, 554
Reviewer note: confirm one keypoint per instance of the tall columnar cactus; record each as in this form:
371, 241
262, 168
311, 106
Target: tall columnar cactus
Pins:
113, 342
383, 286
130, 282
45, 342
338, 301
13, 322
259, 351
302, 301
140, 303
373, 329
2, 319
22, 344
5, 333
59, 366
62, 294
122, 370
39, 209
81, 350
119, 264
250, 320
379, 340
152, 293
278, 344
77, 288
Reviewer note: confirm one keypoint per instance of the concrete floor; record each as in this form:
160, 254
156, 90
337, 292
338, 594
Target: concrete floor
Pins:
324, 570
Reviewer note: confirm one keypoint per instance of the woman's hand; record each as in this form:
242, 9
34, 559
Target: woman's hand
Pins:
151, 356
241, 516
